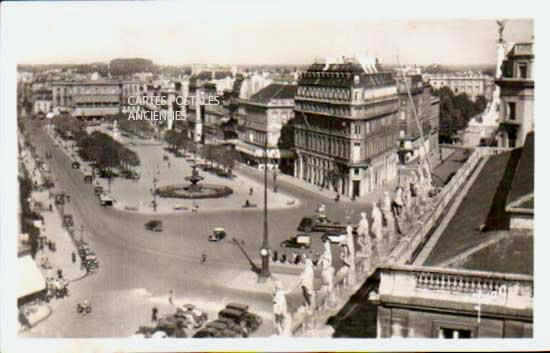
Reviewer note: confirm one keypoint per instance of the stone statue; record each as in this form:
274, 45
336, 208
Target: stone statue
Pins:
351, 248
398, 201
376, 229
281, 317
365, 245
407, 203
386, 202
306, 282
501, 24
327, 272
363, 226
428, 174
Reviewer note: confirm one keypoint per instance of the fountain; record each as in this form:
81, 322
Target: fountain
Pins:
194, 190
194, 179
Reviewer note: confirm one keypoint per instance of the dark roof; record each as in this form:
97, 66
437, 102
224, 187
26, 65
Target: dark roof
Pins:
274, 91
207, 75
524, 178
483, 205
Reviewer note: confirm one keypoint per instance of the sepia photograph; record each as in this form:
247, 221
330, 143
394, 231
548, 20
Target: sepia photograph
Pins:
268, 171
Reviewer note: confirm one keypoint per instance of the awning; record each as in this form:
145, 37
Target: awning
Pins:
256, 151
31, 279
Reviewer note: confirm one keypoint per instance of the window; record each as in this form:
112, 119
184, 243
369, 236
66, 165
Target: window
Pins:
512, 111
522, 70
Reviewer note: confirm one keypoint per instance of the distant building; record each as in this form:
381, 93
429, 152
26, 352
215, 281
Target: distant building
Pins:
261, 118
345, 130
516, 94
472, 84
427, 109
42, 101
94, 99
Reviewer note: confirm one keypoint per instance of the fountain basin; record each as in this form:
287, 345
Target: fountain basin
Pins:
193, 191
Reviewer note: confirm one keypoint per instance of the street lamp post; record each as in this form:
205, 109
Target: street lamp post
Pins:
264, 250
275, 180
81, 234
155, 180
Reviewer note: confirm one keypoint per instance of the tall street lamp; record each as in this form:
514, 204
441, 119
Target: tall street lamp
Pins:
264, 250
155, 180
81, 234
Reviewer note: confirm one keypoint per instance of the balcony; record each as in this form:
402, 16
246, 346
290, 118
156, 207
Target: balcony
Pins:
457, 289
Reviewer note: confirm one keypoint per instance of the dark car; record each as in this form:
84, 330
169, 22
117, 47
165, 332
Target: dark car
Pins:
222, 329
231, 326
207, 332
154, 225
60, 199
98, 190
88, 179
217, 235
75, 165
301, 241
68, 220
243, 318
321, 224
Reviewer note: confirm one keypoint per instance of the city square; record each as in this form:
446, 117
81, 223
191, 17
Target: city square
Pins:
349, 196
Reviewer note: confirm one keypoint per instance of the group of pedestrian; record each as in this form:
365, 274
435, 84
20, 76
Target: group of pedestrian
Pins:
296, 258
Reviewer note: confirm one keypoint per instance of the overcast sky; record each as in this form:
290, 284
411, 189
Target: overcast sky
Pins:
246, 32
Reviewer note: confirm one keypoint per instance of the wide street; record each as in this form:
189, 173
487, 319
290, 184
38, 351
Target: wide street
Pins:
138, 268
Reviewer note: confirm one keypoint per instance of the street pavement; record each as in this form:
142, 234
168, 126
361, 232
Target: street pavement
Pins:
138, 268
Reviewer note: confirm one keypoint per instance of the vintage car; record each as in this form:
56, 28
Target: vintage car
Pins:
105, 200
75, 165
88, 179
334, 237
321, 224
60, 198
217, 235
68, 221
301, 241
244, 318
98, 189
154, 225
207, 332
222, 329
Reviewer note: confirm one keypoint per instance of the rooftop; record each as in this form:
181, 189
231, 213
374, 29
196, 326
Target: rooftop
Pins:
274, 91
480, 225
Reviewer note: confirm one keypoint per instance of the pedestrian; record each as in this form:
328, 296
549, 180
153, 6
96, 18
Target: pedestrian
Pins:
203, 258
51, 208
59, 273
154, 314
73, 256
251, 191
168, 165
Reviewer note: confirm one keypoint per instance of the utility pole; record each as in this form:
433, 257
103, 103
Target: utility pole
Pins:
264, 250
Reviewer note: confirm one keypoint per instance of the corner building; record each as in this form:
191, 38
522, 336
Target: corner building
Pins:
345, 131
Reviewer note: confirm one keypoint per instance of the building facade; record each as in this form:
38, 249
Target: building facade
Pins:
261, 119
427, 110
42, 101
473, 84
429, 302
92, 100
345, 130
517, 95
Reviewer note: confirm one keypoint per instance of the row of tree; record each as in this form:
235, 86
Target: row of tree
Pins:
218, 156
98, 147
455, 111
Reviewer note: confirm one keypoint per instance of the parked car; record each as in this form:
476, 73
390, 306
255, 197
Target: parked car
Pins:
154, 225
68, 220
244, 318
334, 237
301, 241
217, 235
105, 200
207, 332
88, 179
129, 174
221, 329
321, 224
98, 189
75, 165
60, 198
